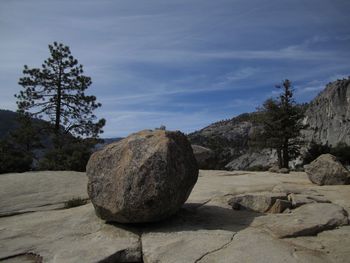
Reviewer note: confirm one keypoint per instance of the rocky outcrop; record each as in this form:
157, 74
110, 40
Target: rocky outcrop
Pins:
263, 160
307, 220
327, 118
326, 170
145, 177
228, 139
328, 115
205, 157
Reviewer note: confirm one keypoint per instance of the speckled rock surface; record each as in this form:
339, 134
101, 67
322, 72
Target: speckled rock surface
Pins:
145, 177
326, 170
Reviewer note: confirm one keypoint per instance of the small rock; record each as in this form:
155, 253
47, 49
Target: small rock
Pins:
279, 206
258, 202
284, 171
145, 177
274, 169
299, 200
302, 199
326, 170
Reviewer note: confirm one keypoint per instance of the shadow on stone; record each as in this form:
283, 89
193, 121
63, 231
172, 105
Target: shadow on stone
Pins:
196, 216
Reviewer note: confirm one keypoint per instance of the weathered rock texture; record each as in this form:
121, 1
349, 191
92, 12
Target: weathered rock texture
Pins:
228, 139
307, 220
326, 170
328, 115
205, 229
38, 191
69, 235
204, 156
143, 178
263, 159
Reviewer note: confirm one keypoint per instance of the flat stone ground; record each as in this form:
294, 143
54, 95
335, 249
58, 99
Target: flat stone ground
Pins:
35, 226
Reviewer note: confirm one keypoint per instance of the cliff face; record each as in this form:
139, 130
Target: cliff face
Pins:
328, 115
228, 139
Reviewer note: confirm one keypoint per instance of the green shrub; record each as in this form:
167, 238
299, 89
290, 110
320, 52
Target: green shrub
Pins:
12, 159
72, 156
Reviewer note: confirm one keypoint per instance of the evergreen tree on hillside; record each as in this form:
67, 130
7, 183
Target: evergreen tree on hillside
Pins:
57, 91
281, 119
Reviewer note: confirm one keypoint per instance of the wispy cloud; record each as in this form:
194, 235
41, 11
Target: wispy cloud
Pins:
182, 63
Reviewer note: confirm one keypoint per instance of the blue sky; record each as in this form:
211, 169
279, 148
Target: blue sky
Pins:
180, 63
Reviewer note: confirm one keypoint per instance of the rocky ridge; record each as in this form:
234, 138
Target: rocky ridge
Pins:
327, 117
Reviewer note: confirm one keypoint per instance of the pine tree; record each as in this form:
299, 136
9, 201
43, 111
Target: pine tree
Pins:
56, 92
281, 119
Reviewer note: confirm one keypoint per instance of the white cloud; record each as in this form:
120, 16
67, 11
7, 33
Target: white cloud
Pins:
144, 55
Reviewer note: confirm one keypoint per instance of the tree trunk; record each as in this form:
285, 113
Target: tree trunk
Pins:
58, 104
279, 156
285, 154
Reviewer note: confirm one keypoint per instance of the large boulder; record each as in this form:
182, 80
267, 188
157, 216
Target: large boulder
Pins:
328, 115
204, 156
143, 178
326, 170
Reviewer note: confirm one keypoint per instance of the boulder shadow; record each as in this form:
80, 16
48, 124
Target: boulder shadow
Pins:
196, 216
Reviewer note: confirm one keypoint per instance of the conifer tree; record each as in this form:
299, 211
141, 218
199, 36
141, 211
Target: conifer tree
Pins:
282, 124
56, 92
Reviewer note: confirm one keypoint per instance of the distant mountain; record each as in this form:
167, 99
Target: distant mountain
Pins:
228, 138
327, 117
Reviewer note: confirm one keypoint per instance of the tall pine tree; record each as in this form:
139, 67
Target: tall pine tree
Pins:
57, 91
281, 119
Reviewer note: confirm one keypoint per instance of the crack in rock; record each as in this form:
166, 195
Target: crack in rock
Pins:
25, 256
215, 250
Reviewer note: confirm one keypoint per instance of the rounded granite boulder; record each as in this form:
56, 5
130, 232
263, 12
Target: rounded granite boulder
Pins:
145, 177
327, 170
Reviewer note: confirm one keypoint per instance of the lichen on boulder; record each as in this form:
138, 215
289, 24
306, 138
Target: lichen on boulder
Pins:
326, 170
145, 177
